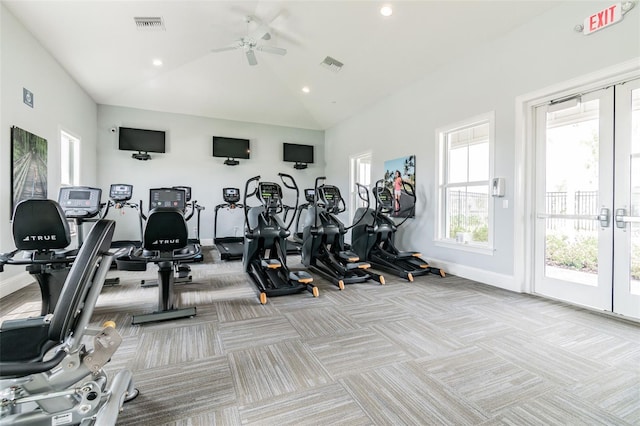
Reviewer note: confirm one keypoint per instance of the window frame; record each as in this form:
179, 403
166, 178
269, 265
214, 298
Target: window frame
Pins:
442, 154
69, 143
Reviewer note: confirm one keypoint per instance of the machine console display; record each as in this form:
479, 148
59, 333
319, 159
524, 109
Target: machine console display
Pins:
120, 192
330, 195
384, 197
310, 195
231, 195
269, 192
167, 197
80, 201
187, 191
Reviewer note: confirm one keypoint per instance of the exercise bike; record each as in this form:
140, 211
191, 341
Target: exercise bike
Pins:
48, 374
165, 243
265, 242
42, 236
372, 238
323, 248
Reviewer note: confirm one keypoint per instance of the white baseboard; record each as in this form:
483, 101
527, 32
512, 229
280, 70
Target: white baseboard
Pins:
506, 282
15, 283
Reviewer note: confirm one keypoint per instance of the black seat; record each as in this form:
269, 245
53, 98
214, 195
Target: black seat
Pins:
47, 372
41, 228
40, 225
166, 243
24, 343
166, 230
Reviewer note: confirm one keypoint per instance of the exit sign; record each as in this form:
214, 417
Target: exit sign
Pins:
603, 19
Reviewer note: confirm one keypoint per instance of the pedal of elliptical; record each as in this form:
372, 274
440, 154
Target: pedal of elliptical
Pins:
270, 263
406, 254
348, 256
301, 277
357, 265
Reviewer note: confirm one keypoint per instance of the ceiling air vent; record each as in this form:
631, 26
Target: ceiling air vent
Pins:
154, 23
331, 64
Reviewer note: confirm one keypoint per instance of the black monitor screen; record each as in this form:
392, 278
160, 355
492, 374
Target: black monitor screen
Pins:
120, 192
167, 197
141, 140
296, 153
230, 147
79, 195
310, 195
231, 195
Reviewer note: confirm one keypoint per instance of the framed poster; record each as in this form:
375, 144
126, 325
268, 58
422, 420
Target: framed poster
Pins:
28, 166
401, 169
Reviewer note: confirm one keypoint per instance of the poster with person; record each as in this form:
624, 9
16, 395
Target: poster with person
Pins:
397, 171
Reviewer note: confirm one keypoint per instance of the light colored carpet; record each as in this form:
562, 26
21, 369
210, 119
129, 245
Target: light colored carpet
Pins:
435, 351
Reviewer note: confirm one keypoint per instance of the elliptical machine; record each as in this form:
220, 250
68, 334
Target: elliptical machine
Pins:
296, 235
372, 238
323, 248
265, 244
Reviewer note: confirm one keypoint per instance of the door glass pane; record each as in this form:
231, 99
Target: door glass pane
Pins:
635, 193
571, 188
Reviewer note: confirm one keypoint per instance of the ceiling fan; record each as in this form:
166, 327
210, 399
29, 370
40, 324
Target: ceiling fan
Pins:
251, 42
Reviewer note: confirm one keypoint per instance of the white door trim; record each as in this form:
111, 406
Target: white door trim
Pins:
524, 160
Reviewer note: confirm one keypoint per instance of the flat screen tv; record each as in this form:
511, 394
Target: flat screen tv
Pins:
296, 153
231, 147
141, 140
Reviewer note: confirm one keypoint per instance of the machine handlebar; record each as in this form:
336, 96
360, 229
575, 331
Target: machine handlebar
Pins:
292, 185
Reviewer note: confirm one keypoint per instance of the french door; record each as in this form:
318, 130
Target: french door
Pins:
587, 236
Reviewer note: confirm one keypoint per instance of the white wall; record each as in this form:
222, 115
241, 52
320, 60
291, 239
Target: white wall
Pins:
59, 103
544, 52
189, 162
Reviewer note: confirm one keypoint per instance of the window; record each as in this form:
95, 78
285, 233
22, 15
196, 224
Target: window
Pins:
360, 173
69, 159
465, 212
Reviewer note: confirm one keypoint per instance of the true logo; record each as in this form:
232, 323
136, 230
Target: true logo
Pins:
40, 238
170, 241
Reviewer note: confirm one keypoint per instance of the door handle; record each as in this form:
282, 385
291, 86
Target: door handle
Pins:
604, 217
620, 214
622, 219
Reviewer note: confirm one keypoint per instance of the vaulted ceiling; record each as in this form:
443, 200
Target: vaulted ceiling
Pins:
102, 48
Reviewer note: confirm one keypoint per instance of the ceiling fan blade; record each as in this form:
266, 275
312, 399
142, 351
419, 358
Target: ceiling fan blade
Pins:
251, 57
224, 49
272, 49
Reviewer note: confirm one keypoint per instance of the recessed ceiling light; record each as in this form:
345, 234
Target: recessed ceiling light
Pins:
306, 89
157, 62
386, 11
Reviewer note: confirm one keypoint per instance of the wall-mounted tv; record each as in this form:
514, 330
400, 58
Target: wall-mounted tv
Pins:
296, 153
141, 140
231, 147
